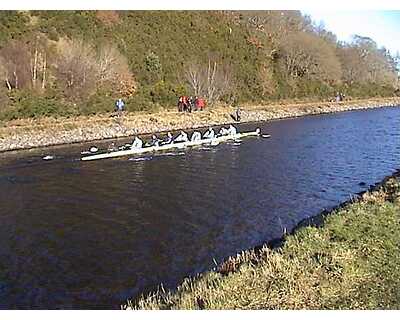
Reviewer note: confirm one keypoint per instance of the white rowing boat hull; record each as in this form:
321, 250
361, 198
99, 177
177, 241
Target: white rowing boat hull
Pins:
169, 146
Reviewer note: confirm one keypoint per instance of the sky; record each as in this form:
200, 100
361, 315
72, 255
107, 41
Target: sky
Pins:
381, 26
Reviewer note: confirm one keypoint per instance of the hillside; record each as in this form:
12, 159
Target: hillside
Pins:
79, 62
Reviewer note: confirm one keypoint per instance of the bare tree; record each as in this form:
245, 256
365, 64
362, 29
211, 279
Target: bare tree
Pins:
364, 62
211, 81
113, 71
39, 62
306, 55
15, 60
195, 78
76, 68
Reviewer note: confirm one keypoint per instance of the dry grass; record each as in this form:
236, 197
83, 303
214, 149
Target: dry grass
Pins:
352, 262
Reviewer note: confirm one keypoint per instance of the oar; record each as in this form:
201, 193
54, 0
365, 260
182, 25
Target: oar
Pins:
265, 135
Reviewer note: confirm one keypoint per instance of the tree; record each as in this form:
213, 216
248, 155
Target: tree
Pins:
352, 65
212, 81
39, 62
195, 78
304, 55
15, 61
76, 69
113, 71
363, 62
153, 66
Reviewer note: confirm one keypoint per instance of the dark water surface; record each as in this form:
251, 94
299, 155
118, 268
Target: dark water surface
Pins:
91, 234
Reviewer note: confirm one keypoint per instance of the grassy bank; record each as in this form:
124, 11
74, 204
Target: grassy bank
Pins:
352, 262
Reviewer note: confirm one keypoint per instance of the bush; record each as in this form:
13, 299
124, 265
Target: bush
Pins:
26, 104
140, 102
166, 94
100, 102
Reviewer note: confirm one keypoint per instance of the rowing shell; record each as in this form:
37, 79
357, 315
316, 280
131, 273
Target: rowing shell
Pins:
178, 145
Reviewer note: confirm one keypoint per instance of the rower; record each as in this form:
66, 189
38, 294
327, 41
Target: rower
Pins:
232, 130
168, 139
154, 142
183, 137
137, 143
223, 132
196, 136
112, 147
209, 134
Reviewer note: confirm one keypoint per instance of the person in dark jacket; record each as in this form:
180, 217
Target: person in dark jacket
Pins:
238, 116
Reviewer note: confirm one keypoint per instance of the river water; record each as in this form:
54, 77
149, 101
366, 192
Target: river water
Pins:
88, 235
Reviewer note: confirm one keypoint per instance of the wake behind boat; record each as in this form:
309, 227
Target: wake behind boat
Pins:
207, 139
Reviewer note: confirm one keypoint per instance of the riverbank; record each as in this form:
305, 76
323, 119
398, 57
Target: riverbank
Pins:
30, 133
351, 262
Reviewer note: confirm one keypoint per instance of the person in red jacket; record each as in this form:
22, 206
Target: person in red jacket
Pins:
200, 103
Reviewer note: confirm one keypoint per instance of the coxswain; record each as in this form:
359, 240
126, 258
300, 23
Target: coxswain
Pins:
232, 130
209, 134
137, 143
196, 136
183, 137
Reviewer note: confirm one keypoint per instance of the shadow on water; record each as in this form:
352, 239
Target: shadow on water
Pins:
88, 235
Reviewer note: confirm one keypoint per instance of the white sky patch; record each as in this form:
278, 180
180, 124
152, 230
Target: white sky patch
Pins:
378, 25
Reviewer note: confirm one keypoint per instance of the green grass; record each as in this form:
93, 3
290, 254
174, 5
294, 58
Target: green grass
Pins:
352, 262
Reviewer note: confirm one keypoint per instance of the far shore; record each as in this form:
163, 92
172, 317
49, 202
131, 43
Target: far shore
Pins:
31, 133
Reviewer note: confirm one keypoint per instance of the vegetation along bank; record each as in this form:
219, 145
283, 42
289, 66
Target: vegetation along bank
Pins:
350, 262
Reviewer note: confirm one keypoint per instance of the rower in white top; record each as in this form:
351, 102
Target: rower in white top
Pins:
169, 139
183, 137
209, 134
223, 132
232, 130
137, 143
196, 136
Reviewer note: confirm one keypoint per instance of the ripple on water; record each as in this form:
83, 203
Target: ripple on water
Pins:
140, 159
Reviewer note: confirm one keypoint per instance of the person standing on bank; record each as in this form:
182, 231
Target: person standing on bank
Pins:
238, 117
119, 106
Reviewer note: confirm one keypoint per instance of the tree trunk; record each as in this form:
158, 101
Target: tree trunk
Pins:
16, 80
35, 61
44, 72
8, 84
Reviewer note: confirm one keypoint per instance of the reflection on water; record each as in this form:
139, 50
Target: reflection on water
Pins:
91, 234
